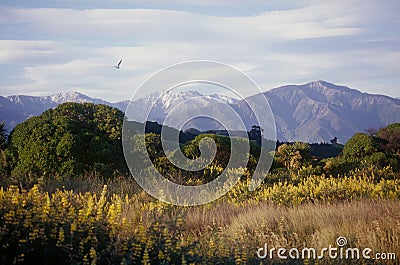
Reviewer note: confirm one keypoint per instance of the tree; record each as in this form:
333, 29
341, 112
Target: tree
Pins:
365, 152
256, 134
293, 156
3, 135
5, 159
359, 146
70, 140
141, 148
381, 160
223, 152
391, 135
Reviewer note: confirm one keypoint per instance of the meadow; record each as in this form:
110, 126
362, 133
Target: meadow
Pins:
92, 221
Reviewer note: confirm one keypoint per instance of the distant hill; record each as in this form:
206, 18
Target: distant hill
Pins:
313, 112
319, 110
16, 109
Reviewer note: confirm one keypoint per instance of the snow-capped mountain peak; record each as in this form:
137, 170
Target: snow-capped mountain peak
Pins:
172, 98
69, 97
313, 112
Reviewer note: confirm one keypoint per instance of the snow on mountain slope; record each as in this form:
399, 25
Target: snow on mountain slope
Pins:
313, 112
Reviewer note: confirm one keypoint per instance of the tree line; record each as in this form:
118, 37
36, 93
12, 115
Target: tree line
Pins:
76, 138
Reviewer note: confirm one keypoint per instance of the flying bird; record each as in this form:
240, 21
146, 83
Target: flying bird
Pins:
117, 66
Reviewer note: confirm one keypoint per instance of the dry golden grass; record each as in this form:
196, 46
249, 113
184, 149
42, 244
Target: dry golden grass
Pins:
103, 227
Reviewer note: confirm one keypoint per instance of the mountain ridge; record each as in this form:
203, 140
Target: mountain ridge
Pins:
313, 112
329, 110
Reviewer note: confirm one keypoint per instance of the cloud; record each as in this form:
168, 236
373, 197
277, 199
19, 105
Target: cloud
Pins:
292, 41
143, 26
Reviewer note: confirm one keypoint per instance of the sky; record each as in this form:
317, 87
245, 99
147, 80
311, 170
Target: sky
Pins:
56, 46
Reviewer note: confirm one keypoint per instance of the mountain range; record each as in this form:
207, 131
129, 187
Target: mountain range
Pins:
313, 112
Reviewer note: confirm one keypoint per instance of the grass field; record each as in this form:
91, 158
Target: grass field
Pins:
84, 221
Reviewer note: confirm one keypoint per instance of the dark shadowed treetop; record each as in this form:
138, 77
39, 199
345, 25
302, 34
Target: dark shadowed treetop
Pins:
391, 135
3, 135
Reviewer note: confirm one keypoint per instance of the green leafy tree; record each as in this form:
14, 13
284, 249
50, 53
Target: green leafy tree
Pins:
141, 147
381, 160
337, 165
69, 140
359, 146
366, 152
356, 150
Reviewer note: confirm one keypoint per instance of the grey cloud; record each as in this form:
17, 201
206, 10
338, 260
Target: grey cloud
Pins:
342, 41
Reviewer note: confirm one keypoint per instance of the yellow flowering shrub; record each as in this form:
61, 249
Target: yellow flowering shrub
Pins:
67, 227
